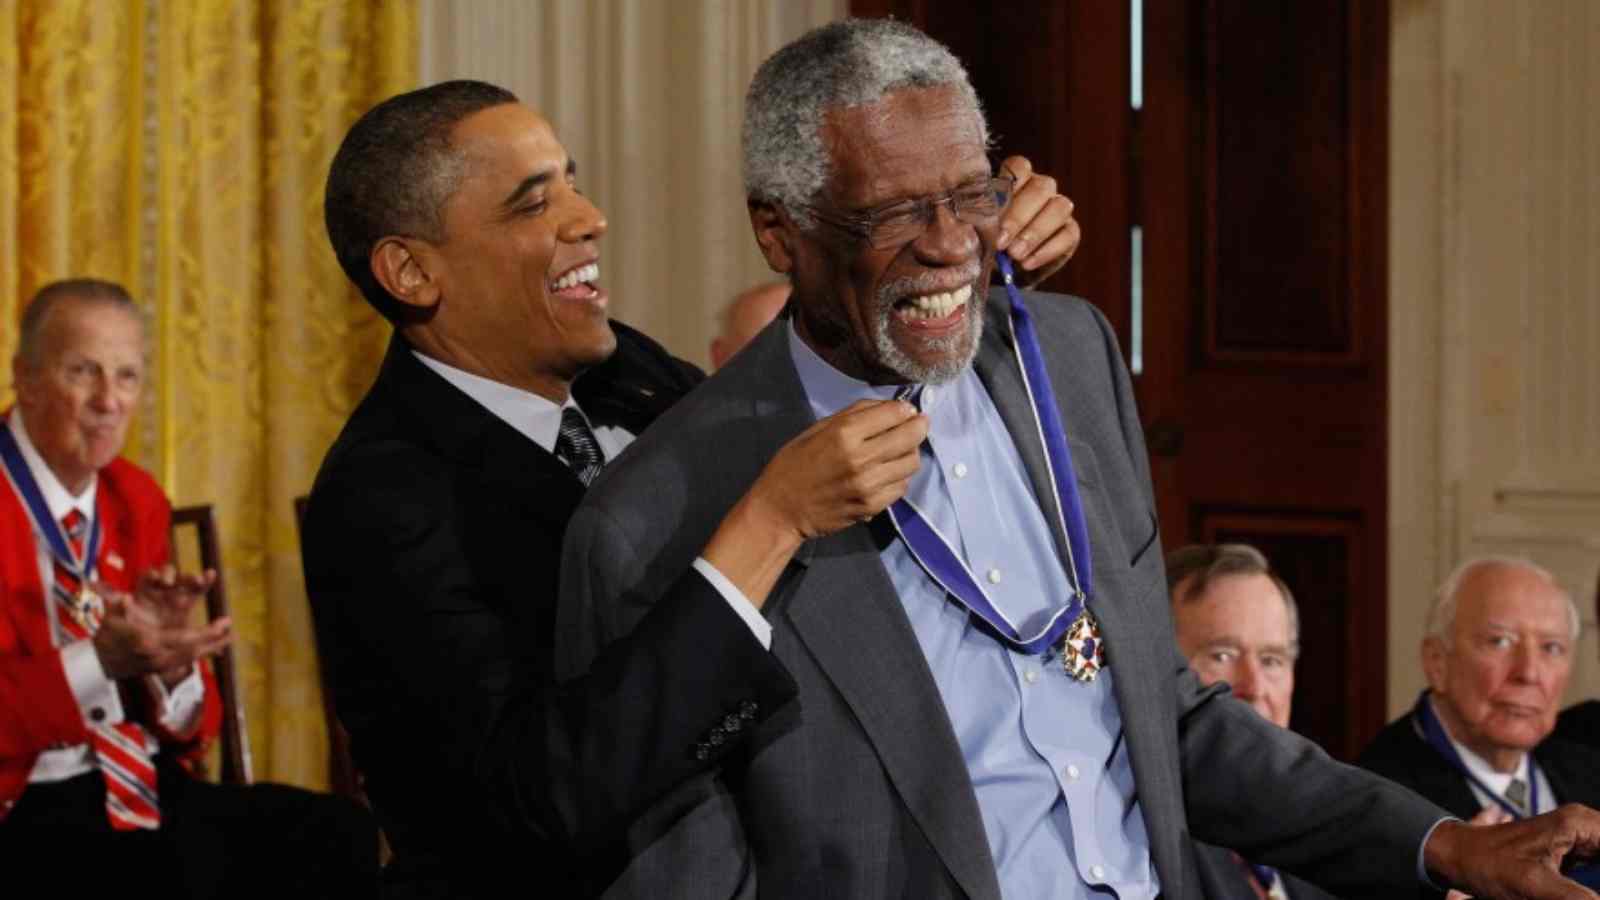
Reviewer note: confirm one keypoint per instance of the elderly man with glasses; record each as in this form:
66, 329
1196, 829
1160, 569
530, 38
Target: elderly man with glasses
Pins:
991, 703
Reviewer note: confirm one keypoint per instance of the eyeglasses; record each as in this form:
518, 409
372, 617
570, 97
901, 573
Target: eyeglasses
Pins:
975, 203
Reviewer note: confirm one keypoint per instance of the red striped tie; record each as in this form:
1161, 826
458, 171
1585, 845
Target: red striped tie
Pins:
124, 750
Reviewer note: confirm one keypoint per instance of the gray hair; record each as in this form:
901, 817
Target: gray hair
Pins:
97, 291
1442, 617
1208, 562
854, 62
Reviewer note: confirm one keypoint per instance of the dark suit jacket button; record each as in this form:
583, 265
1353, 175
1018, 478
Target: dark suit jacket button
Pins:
747, 710
701, 752
716, 738
732, 724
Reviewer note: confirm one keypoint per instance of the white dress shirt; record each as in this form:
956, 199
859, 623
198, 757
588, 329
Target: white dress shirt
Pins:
1499, 781
539, 420
180, 707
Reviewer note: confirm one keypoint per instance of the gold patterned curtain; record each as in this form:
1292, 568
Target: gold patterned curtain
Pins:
180, 147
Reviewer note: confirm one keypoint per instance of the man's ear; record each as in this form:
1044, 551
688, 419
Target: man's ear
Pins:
21, 379
406, 269
774, 234
1435, 662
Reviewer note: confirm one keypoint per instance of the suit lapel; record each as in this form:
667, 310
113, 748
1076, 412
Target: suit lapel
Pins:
1436, 778
1133, 644
848, 614
510, 467
996, 365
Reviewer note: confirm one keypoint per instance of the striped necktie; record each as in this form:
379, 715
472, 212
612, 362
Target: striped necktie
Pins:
576, 446
123, 750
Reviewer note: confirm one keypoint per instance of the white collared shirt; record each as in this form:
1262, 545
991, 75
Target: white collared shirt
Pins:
539, 420
534, 417
95, 692
1499, 781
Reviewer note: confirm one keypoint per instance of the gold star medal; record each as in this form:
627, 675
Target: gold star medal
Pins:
1083, 651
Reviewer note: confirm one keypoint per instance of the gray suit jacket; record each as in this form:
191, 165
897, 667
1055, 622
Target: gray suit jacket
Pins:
864, 793
1222, 877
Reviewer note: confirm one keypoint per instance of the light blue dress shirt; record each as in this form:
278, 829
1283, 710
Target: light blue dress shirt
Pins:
1045, 752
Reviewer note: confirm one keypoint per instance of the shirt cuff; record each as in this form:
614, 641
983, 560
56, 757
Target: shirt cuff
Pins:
1422, 865
736, 599
181, 706
96, 694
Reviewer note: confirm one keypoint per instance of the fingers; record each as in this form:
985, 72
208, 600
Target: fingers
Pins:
901, 440
1027, 203
1039, 233
882, 498
892, 472
182, 648
865, 419
116, 603
1549, 883
1032, 216
1056, 250
196, 585
159, 577
1490, 815
1019, 168
213, 637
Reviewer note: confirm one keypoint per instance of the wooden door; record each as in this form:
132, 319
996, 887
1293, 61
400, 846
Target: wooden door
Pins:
1235, 235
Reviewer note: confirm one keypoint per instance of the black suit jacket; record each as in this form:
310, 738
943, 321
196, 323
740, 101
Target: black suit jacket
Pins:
1400, 754
1222, 877
432, 540
1580, 724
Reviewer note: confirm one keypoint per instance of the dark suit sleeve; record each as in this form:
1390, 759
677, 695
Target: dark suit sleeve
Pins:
1266, 792
692, 682
1278, 799
419, 639
606, 601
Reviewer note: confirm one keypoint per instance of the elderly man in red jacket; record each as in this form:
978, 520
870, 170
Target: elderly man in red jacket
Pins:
104, 695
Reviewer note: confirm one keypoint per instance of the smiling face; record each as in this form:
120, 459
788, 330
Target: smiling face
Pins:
1497, 682
76, 397
912, 312
512, 282
1238, 631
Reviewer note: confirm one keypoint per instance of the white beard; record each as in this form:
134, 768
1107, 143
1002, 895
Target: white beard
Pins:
958, 350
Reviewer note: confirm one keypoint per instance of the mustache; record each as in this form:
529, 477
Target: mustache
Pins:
927, 283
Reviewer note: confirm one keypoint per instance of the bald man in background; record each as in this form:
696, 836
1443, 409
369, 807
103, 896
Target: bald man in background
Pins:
744, 317
1497, 655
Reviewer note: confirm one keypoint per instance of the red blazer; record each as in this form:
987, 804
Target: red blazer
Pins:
37, 707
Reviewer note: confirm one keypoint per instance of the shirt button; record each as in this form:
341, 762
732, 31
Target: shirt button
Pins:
1072, 773
1030, 676
960, 470
994, 576
97, 714
1098, 873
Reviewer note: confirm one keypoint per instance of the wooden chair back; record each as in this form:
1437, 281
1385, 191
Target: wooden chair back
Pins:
235, 738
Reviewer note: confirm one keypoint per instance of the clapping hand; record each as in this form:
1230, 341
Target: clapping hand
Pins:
150, 631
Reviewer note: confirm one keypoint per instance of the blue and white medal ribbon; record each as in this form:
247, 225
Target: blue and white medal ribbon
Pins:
85, 606
1433, 732
1073, 626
